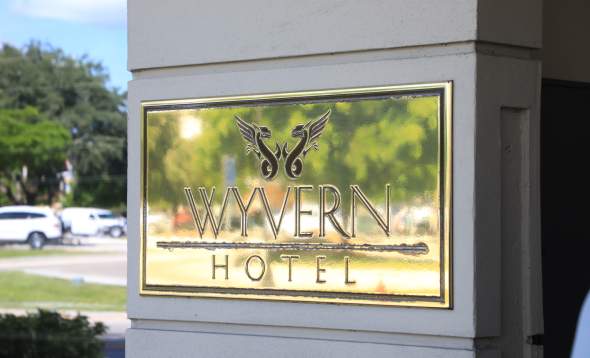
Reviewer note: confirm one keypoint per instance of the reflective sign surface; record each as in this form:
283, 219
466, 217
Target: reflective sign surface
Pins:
338, 196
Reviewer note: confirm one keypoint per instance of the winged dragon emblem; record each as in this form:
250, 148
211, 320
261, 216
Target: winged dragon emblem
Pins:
254, 137
308, 135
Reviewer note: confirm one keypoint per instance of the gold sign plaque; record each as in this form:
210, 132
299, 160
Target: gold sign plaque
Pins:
337, 196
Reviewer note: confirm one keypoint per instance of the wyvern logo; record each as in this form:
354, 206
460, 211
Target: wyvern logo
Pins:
325, 211
307, 133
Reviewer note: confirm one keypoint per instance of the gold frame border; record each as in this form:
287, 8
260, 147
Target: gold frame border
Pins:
446, 176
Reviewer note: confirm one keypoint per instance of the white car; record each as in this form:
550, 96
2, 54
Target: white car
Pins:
30, 224
93, 221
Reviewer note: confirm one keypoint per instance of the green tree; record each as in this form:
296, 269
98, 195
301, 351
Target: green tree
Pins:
33, 153
73, 93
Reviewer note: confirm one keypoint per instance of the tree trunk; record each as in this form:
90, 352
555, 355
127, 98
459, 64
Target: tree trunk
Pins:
6, 188
30, 195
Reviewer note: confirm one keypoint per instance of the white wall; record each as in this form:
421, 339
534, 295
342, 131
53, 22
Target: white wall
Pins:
187, 49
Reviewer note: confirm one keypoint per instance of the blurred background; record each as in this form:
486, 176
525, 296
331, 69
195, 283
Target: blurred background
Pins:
63, 160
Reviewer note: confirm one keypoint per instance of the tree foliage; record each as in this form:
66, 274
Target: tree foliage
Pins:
48, 334
73, 93
34, 151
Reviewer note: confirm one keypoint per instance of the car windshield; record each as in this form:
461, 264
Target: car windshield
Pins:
107, 216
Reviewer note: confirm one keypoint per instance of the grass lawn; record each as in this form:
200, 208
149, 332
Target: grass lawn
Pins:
21, 290
10, 252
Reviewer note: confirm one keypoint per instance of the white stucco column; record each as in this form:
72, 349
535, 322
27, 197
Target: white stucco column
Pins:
488, 49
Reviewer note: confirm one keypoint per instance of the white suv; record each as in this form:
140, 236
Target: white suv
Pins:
29, 224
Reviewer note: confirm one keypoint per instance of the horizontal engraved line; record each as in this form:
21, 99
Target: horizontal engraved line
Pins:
414, 249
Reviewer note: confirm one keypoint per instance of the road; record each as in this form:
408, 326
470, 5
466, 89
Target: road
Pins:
101, 261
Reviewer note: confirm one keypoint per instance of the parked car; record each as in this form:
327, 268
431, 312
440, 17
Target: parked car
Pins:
30, 224
93, 221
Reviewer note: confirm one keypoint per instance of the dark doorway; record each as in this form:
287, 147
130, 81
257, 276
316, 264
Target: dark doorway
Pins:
565, 137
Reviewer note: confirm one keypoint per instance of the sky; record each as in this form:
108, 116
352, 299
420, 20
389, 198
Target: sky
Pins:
96, 28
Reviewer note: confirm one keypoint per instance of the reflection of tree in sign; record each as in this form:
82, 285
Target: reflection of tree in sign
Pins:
368, 143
